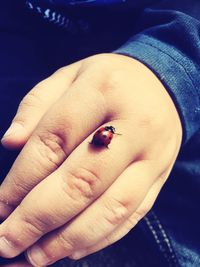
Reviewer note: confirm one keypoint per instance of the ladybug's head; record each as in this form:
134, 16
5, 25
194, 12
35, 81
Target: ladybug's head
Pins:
110, 128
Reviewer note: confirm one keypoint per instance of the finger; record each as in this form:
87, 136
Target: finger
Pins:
70, 189
36, 103
101, 218
62, 128
125, 227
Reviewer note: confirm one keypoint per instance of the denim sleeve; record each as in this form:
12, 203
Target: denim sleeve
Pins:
169, 44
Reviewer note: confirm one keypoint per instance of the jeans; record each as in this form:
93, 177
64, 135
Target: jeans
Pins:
168, 236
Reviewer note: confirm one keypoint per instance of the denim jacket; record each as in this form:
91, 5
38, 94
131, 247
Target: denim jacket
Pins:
165, 36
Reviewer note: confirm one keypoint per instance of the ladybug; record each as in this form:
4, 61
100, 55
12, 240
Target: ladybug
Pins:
103, 136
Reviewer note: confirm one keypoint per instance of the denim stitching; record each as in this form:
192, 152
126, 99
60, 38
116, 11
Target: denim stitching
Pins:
164, 235
161, 239
166, 239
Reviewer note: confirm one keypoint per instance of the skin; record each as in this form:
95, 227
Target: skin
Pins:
67, 197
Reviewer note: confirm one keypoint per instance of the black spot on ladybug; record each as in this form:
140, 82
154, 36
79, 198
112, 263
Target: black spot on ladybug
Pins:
104, 136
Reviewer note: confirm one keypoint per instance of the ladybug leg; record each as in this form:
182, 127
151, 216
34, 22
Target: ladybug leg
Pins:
107, 147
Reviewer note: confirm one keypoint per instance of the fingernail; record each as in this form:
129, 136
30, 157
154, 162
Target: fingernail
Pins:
78, 254
37, 257
7, 249
15, 127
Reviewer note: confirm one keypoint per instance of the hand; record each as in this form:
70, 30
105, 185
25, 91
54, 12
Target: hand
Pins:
71, 198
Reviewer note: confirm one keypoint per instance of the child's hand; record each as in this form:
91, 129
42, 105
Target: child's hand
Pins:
81, 198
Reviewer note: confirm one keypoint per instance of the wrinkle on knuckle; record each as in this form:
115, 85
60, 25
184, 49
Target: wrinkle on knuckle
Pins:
20, 186
19, 120
81, 182
64, 242
116, 211
52, 147
32, 99
33, 227
35, 224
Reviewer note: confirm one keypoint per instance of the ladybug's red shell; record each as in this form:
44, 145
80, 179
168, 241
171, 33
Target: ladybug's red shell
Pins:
102, 137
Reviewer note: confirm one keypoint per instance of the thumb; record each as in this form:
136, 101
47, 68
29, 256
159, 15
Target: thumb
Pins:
35, 104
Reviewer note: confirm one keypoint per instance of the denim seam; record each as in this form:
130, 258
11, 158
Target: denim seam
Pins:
161, 239
164, 52
165, 237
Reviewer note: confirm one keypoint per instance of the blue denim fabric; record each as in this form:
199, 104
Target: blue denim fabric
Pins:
165, 37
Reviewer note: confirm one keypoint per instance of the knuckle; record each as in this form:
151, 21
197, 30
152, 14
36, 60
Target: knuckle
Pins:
61, 71
147, 120
52, 147
98, 60
81, 182
20, 187
65, 243
116, 211
114, 77
112, 82
150, 121
34, 225
108, 77
32, 99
